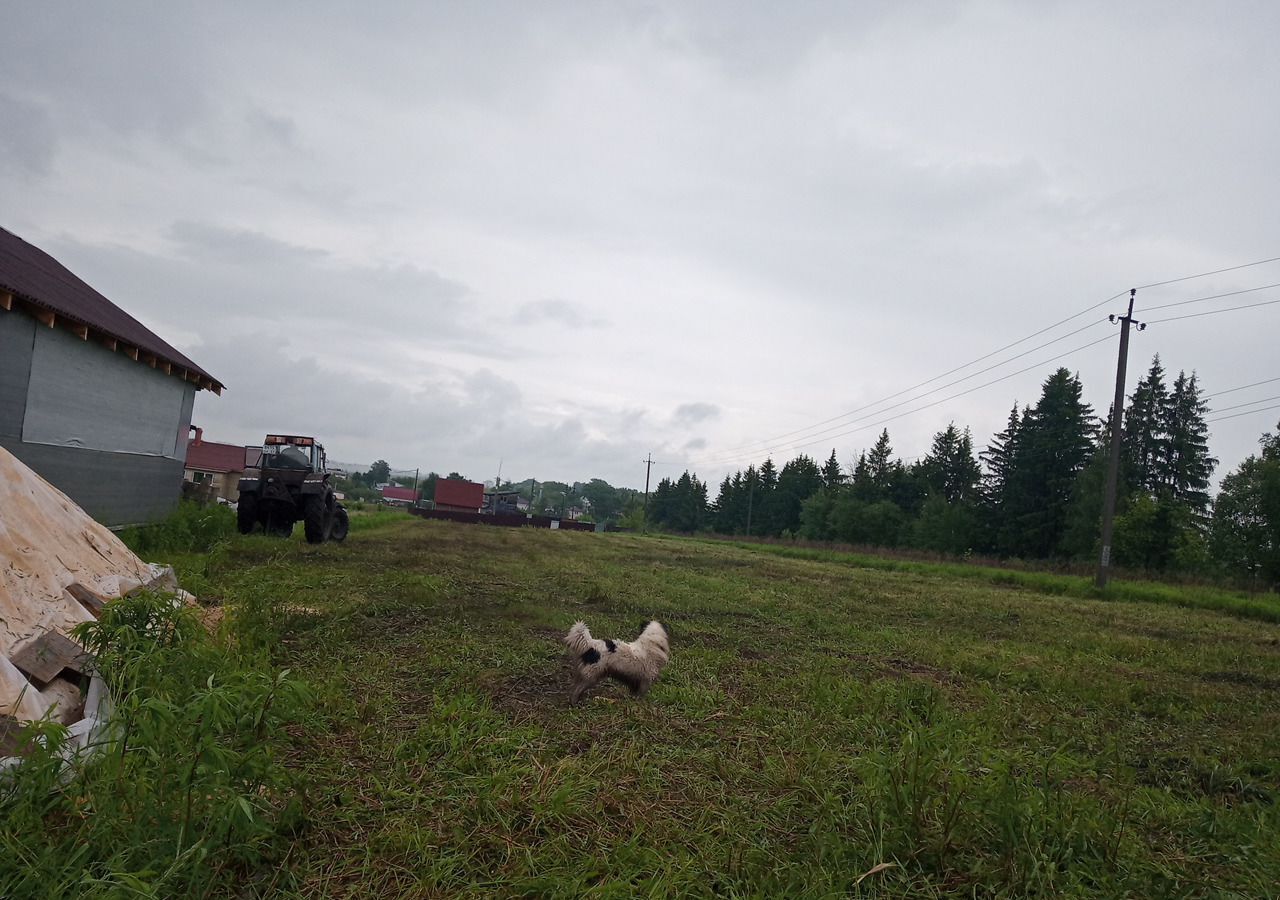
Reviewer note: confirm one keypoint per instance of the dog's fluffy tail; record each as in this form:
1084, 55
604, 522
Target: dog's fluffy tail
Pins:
578, 640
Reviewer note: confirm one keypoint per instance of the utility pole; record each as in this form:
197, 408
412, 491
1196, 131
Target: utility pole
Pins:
751, 493
1117, 418
648, 465
415, 487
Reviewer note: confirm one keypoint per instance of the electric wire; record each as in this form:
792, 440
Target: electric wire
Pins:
1239, 414
921, 384
930, 405
1241, 388
1147, 309
742, 450
822, 433
1250, 403
1214, 312
1259, 262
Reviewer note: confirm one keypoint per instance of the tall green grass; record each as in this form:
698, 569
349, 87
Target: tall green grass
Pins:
187, 797
191, 528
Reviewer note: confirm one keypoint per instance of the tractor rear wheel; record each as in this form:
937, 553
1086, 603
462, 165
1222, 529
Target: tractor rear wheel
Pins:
315, 518
247, 513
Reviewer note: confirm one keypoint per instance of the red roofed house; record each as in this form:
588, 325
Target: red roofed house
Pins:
90, 398
459, 496
217, 465
401, 496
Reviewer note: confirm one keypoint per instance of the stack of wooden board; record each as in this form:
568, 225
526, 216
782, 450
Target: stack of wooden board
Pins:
58, 567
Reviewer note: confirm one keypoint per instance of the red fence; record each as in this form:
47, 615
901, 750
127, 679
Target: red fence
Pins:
508, 520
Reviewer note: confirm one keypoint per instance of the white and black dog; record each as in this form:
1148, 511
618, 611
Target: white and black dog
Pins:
635, 664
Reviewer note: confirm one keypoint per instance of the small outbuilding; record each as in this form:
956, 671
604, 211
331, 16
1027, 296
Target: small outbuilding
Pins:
90, 398
453, 495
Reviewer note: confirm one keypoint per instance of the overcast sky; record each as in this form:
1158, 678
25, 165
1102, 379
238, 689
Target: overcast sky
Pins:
563, 236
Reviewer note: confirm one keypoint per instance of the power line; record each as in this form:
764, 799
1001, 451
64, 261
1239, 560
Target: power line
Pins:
1250, 403
1239, 414
752, 447
824, 432
908, 390
1214, 312
1210, 297
1241, 388
1258, 262
927, 405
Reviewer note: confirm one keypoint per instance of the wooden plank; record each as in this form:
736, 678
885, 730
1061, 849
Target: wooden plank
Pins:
6, 300
110, 343
166, 367
47, 655
132, 353
10, 743
88, 598
80, 331
45, 316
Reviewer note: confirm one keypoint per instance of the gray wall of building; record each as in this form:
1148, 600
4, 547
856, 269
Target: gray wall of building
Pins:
82, 420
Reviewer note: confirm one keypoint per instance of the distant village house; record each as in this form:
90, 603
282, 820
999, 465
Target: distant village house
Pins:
396, 495
216, 467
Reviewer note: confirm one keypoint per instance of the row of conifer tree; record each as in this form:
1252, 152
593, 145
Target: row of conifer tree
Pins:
1035, 492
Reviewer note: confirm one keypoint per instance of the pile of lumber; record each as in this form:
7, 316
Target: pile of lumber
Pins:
58, 567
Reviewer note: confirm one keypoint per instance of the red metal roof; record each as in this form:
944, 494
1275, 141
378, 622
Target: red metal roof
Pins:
209, 456
395, 492
35, 277
465, 494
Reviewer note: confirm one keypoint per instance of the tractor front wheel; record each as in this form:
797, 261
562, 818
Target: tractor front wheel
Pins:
341, 525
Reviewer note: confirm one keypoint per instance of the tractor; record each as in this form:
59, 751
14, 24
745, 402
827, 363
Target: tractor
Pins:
291, 484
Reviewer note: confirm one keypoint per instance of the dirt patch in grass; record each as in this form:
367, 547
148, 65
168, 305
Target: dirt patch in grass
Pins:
1243, 679
908, 668
530, 694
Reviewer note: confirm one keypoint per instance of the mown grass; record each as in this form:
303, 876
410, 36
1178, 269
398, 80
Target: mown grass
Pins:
1264, 607
819, 719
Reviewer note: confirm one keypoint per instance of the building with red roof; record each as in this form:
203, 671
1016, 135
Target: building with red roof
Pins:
216, 466
401, 496
459, 496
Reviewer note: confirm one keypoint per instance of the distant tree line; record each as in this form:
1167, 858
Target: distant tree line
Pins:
1035, 492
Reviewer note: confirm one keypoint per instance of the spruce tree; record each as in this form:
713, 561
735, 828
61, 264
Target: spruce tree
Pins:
880, 463
832, 476
799, 480
1144, 440
1055, 442
998, 458
1185, 470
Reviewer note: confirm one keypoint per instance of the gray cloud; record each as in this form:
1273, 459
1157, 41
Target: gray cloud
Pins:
694, 413
26, 137
557, 312
237, 246
796, 211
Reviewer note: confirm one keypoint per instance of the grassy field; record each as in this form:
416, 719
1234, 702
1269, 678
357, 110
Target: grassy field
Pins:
821, 719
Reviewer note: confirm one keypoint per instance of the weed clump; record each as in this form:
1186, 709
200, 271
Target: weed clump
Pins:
186, 796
